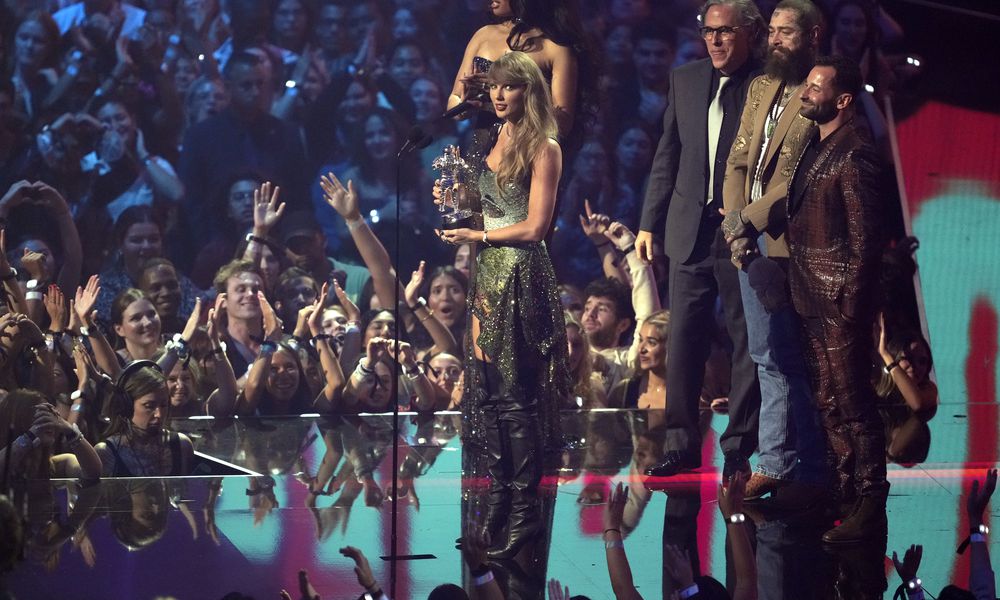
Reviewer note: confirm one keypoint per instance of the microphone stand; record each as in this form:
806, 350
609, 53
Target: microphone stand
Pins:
415, 141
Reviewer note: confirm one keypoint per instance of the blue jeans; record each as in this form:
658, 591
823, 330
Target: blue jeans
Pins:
790, 440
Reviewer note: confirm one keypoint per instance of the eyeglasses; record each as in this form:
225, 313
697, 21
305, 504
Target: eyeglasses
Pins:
726, 33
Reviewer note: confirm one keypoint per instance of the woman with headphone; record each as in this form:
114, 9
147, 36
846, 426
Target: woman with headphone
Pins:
136, 444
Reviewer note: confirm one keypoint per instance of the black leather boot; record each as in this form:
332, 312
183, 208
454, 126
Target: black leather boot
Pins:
866, 522
498, 460
522, 435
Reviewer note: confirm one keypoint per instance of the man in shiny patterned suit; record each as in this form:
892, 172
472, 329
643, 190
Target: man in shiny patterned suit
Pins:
835, 214
791, 451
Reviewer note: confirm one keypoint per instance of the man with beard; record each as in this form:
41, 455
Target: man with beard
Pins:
770, 138
682, 202
835, 213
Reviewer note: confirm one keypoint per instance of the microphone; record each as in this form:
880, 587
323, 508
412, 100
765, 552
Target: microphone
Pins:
416, 139
457, 110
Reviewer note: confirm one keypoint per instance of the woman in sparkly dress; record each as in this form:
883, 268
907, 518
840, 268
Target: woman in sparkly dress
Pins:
516, 364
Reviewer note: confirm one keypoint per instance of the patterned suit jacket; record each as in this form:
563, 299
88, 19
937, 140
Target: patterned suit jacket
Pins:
835, 230
791, 134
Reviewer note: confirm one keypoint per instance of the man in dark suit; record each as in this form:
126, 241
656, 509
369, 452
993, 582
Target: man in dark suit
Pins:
682, 204
835, 213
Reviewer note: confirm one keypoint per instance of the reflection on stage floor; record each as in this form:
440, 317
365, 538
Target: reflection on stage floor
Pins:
249, 522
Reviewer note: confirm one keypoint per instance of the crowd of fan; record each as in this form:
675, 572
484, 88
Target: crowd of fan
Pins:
212, 188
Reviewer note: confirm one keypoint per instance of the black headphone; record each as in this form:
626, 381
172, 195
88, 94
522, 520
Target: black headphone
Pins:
125, 404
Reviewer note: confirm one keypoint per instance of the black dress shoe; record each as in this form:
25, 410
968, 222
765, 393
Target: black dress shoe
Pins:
734, 462
674, 462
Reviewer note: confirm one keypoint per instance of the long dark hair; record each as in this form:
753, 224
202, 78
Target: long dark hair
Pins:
559, 21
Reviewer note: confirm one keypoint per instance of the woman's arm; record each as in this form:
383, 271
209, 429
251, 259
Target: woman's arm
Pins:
164, 182
458, 88
222, 402
565, 76
744, 564
362, 380
425, 390
351, 349
922, 400
69, 275
173, 352
373, 253
332, 373
104, 354
545, 172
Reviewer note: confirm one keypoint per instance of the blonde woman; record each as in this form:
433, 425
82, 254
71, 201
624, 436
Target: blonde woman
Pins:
516, 368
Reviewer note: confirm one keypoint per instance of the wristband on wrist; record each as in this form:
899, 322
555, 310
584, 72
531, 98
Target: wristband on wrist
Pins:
889, 367
977, 534
483, 579
33, 295
615, 529
352, 225
486, 238
430, 313
688, 591
614, 544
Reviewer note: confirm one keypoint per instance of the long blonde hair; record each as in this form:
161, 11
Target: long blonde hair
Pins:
538, 124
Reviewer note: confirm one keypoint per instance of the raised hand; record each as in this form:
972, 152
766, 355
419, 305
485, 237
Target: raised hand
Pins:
594, 224
620, 235
55, 306
731, 496
883, 348
911, 562
266, 209
361, 567
978, 498
192, 323
350, 309
315, 320
214, 328
615, 507
557, 591
50, 198
272, 324
85, 369
86, 297
16, 194
375, 350
34, 264
341, 199
412, 290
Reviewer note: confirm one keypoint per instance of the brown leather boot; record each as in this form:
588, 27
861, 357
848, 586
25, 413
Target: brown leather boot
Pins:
868, 521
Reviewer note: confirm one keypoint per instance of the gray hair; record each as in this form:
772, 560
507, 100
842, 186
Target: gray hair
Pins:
749, 16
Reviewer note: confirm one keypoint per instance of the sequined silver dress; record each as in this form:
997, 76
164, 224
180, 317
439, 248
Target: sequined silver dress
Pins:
522, 330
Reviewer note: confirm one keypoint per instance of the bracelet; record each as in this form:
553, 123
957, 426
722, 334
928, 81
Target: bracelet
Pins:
33, 295
914, 585
365, 370
319, 337
889, 367
256, 239
613, 529
483, 579
352, 225
486, 239
430, 313
614, 544
737, 518
628, 249
688, 591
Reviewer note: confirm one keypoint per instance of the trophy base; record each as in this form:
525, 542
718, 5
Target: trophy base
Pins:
461, 219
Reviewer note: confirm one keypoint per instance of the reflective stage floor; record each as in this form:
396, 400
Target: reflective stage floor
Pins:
230, 530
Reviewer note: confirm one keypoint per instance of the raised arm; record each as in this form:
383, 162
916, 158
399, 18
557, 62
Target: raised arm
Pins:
254, 391
614, 547
222, 402
69, 275
333, 375
83, 306
174, 351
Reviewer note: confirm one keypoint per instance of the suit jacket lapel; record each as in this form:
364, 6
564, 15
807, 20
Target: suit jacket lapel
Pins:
759, 123
788, 117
